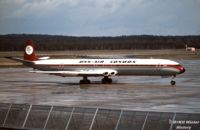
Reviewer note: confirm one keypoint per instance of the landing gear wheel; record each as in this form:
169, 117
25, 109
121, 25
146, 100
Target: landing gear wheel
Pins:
106, 80
84, 80
173, 82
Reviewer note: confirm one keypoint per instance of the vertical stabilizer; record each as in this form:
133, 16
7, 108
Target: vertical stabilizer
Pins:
29, 52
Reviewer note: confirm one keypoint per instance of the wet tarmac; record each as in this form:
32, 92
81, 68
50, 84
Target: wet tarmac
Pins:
17, 85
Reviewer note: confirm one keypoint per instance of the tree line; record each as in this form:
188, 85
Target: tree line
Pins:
15, 42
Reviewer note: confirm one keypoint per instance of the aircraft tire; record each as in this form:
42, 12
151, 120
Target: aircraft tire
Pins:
173, 83
106, 80
84, 81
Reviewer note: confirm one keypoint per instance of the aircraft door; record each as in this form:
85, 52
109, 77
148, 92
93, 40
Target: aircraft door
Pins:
61, 66
158, 69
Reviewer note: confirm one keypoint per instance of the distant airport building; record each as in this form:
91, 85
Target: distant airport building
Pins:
192, 49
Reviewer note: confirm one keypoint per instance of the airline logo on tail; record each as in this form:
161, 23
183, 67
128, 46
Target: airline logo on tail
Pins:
29, 50
29, 53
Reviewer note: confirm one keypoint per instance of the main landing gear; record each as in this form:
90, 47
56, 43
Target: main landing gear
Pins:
106, 80
172, 81
85, 80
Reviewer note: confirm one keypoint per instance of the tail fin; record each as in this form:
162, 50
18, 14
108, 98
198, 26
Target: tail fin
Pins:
29, 53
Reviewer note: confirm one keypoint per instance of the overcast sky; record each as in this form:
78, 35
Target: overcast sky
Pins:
100, 17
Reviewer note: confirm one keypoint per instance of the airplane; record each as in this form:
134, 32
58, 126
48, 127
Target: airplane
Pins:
98, 67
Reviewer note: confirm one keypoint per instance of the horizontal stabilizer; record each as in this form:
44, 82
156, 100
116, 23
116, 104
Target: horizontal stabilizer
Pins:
19, 60
44, 58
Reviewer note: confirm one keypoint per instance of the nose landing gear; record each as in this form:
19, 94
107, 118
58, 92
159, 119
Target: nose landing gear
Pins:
172, 81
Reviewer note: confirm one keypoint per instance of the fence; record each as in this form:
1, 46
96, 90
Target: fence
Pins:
25, 116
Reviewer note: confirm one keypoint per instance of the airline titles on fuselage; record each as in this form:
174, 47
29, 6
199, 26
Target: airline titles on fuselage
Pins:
102, 61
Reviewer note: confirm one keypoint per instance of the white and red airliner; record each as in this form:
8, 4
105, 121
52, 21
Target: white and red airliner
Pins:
99, 67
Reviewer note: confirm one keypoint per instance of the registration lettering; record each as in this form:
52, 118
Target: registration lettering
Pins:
91, 61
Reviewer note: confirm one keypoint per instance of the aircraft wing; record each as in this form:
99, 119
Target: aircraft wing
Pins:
84, 72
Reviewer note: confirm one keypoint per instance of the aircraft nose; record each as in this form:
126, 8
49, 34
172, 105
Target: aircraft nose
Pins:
181, 69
